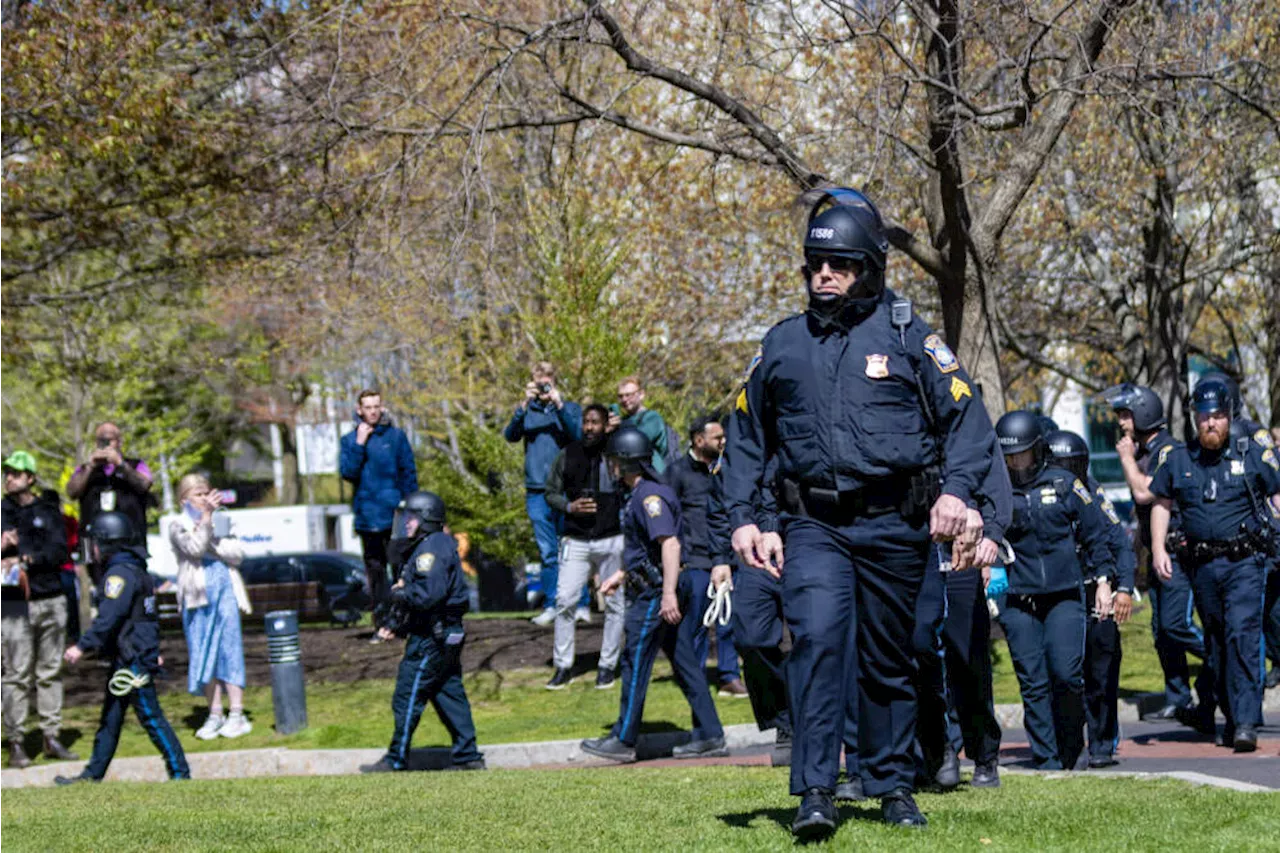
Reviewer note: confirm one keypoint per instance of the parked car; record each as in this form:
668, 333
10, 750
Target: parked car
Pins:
341, 575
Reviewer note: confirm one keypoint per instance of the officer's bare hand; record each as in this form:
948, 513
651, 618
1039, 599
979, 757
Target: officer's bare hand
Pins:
1102, 600
72, 655
386, 634
670, 609
1122, 606
1125, 447
1163, 565
363, 431
964, 549
746, 544
398, 584
721, 575
947, 518
986, 554
610, 586
10, 538
582, 506
771, 551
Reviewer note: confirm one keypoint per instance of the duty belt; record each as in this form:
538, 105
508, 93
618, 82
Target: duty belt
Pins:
909, 495
1240, 548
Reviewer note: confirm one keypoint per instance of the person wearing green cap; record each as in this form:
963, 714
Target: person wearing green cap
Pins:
33, 623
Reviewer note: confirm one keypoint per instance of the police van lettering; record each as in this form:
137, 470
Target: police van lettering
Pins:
943, 358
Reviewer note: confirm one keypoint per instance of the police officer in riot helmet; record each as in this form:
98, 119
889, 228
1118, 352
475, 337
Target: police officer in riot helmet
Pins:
662, 613
1222, 490
428, 601
880, 444
1059, 540
1108, 608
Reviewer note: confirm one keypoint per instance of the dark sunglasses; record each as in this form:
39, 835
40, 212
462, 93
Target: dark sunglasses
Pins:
838, 263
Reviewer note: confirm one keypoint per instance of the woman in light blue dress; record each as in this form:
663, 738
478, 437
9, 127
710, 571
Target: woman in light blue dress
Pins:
211, 596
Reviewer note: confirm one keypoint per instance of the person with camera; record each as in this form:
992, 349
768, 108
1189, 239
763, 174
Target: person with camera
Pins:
211, 595
546, 423
580, 487
34, 622
376, 458
111, 481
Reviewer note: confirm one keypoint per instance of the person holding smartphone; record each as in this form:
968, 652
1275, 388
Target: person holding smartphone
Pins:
545, 422
109, 481
210, 592
580, 486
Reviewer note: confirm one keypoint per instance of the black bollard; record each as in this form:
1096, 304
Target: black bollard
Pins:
284, 651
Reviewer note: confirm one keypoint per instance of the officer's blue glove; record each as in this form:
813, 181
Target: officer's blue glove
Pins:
999, 583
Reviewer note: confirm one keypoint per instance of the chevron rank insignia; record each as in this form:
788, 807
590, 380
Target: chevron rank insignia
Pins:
959, 388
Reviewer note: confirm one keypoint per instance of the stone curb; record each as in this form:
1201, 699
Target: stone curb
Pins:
1130, 711
1182, 775
279, 761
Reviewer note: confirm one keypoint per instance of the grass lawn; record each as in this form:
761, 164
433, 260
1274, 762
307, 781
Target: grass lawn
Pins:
700, 808
509, 707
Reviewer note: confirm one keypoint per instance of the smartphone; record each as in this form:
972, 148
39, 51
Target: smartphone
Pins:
587, 494
614, 410
227, 496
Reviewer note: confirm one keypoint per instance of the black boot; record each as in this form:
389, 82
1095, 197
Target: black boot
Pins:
850, 790
611, 748
54, 749
17, 758
1246, 739
948, 776
986, 775
899, 809
817, 817
781, 755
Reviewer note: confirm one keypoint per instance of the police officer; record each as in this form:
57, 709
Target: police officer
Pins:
1102, 653
1142, 449
1043, 615
128, 630
660, 607
428, 601
953, 639
879, 443
1220, 491
1243, 426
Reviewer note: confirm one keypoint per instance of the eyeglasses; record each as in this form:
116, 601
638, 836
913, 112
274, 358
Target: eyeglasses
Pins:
838, 263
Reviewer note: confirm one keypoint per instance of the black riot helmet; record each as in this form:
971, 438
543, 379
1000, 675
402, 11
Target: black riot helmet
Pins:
426, 507
1047, 425
1018, 431
1070, 451
631, 450
839, 235
1233, 390
111, 532
1140, 401
1211, 395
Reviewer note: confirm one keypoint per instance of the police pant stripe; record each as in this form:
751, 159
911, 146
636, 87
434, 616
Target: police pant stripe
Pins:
413, 700
153, 721
645, 628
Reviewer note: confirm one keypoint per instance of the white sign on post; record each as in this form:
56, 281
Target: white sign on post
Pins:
317, 448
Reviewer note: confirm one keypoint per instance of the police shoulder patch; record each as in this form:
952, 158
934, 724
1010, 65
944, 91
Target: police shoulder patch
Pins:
1164, 454
1269, 457
741, 403
1082, 492
943, 358
1108, 508
1263, 438
113, 587
425, 563
653, 506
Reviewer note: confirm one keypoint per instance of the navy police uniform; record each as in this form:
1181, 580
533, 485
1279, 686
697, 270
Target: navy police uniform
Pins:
1271, 605
953, 639
432, 603
1220, 496
128, 630
1173, 627
1102, 654
856, 411
1044, 615
652, 513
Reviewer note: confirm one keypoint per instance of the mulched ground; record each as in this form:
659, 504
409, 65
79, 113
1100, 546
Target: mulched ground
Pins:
345, 654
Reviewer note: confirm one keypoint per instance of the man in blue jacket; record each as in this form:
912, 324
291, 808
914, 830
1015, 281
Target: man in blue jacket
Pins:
546, 423
377, 460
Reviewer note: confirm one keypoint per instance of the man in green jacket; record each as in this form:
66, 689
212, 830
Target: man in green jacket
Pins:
631, 411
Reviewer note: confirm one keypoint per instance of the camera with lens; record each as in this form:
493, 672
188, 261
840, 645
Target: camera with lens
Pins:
544, 387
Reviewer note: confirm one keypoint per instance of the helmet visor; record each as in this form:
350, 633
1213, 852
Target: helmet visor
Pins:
405, 524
